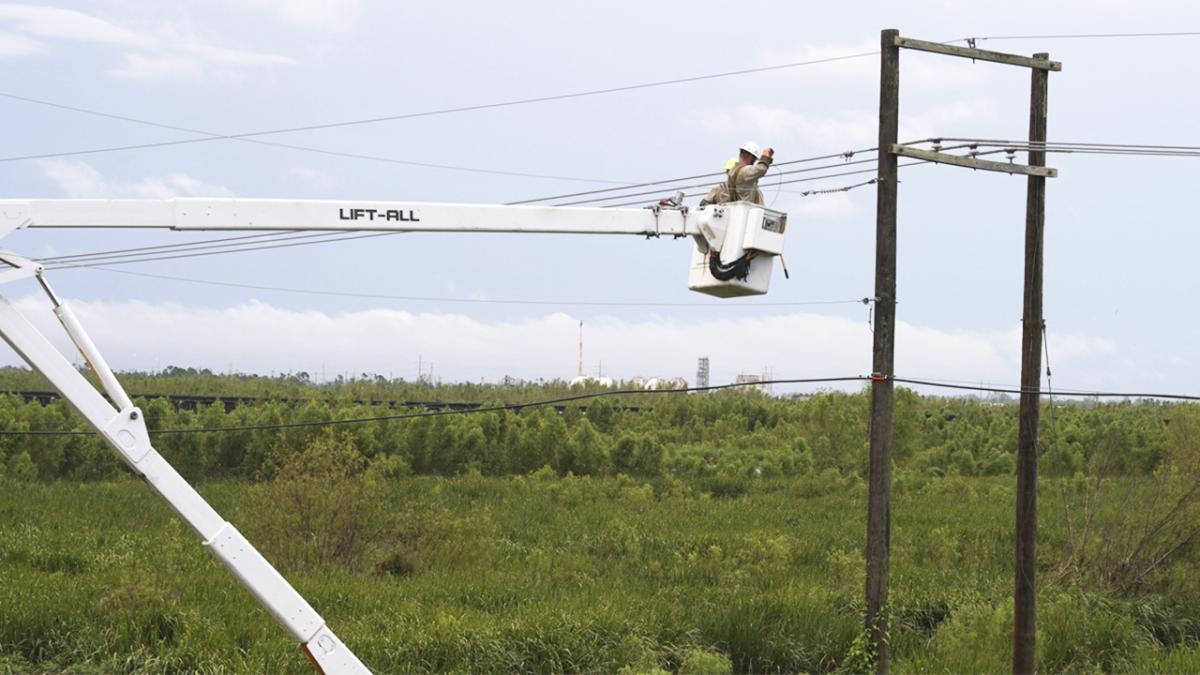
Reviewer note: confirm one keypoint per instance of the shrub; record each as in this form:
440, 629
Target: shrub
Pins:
21, 467
1084, 632
323, 508
977, 638
704, 662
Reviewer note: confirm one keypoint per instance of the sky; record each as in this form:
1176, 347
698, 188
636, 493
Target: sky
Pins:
1120, 231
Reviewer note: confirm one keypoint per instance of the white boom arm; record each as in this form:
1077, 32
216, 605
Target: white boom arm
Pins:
313, 214
124, 428
734, 245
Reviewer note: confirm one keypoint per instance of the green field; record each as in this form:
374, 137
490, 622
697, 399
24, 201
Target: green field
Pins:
547, 574
639, 533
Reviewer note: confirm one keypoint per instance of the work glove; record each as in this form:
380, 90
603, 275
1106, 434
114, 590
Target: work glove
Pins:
769, 152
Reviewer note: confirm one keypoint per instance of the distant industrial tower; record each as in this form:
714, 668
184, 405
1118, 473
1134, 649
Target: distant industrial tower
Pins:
702, 372
580, 371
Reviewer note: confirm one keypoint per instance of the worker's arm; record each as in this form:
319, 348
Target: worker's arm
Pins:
757, 169
719, 194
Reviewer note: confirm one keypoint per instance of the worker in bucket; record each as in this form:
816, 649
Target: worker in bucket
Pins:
741, 176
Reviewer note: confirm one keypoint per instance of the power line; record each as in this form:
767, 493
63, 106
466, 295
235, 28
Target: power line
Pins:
209, 247
594, 200
996, 142
606, 394
410, 298
797, 180
1081, 148
212, 246
270, 240
1079, 36
1057, 392
64, 258
845, 155
329, 238
847, 158
438, 413
164, 253
210, 136
426, 113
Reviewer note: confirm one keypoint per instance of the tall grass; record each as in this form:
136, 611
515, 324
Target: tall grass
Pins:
541, 574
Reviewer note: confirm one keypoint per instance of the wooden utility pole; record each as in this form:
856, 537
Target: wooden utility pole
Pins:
1025, 586
880, 467
883, 375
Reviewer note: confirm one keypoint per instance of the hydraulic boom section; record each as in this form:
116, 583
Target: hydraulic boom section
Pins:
744, 236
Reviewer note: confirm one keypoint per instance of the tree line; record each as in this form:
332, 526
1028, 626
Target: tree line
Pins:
728, 436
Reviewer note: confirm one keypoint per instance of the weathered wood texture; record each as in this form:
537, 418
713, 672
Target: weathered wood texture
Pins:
978, 54
882, 395
1025, 572
974, 163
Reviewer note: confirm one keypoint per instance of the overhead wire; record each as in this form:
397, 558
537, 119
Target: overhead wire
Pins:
425, 113
195, 249
789, 182
595, 200
1078, 393
1081, 148
484, 301
847, 162
256, 135
222, 245
845, 155
439, 413
328, 238
271, 240
62, 258
291, 146
517, 407
1084, 36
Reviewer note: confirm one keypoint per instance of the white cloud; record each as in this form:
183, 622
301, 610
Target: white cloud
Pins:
139, 66
193, 63
74, 178
79, 180
235, 57
161, 54
140, 335
176, 185
67, 24
312, 14
311, 176
13, 45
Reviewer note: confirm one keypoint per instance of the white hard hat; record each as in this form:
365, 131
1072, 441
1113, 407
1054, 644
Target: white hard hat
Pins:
750, 147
